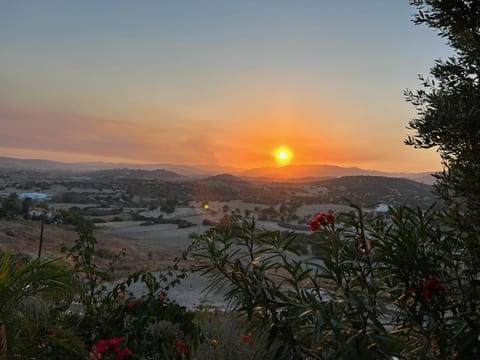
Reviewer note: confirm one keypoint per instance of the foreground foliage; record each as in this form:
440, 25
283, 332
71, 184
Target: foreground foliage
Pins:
448, 105
113, 311
51, 309
30, 290
404, 287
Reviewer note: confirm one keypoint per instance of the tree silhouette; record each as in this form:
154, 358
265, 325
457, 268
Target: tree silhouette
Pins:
448, 105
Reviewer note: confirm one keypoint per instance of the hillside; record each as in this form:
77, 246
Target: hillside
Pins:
297, 173
363, 190
9, 163
125, 173
23, 236
306, 171
314, 172
126, 187
222, 187
373, 189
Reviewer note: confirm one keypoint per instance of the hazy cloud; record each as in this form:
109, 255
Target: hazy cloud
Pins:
74, 133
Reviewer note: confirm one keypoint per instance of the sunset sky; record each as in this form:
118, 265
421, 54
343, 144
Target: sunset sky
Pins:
217, 82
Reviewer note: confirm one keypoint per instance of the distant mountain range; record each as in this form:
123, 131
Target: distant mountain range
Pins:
319, 172
49, 165
307, 171
285, 173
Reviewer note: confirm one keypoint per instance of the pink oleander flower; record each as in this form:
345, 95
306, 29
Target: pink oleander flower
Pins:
183, 348
248, 339
104, 347
321, 219
123, 353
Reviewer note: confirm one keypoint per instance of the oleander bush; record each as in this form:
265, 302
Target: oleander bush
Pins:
406, 286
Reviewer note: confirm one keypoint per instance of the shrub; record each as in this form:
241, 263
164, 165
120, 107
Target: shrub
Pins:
405, 286
151, 324
31, 294
121, 314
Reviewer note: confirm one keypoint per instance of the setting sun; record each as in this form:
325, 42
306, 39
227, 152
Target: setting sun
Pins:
283, 155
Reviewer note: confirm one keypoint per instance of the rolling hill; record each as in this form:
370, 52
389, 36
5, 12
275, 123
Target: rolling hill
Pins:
296, 173
320, 172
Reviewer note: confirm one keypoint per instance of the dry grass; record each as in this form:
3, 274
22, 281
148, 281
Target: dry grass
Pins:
23, 236
228, 330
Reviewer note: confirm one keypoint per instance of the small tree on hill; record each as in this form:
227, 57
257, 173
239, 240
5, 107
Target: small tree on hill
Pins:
448, 106
10, 207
